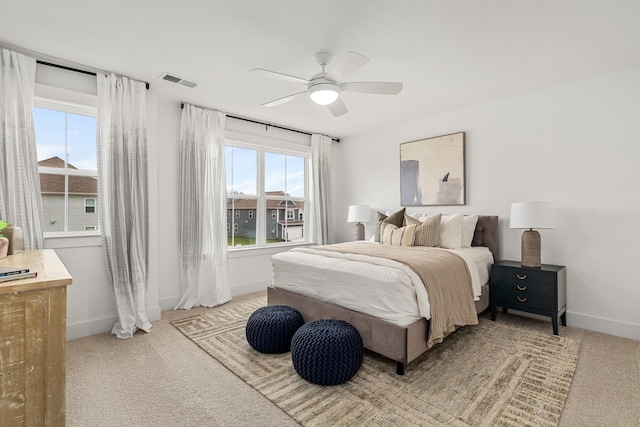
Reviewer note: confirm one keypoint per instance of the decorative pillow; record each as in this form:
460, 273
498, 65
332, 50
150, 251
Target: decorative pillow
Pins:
451, 231
376, 235
395, 218
468, 228
398, 236
427, 230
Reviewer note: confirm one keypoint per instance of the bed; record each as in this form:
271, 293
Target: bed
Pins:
318, 287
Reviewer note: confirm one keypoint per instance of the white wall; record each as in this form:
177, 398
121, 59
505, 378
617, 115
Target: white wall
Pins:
577, 146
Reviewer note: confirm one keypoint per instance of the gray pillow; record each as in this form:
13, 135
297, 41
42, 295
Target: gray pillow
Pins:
396, 218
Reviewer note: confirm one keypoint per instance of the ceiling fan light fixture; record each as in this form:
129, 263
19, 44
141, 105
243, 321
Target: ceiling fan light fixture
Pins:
324, 93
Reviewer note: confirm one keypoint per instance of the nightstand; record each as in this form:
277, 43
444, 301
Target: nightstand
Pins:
540, 290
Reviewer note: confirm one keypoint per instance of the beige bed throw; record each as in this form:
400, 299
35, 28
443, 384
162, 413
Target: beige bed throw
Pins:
444, 274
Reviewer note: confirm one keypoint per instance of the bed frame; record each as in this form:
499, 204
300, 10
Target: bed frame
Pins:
403, 344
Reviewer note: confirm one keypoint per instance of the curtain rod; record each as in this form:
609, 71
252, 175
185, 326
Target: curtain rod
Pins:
64, 67
269, 125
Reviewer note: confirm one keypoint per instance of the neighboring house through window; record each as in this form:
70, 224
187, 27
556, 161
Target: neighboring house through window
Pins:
267, 188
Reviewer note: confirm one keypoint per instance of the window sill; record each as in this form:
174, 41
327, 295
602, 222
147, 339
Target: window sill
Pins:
63, 240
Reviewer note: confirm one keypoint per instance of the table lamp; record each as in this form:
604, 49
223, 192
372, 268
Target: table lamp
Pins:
359, 214
531, 215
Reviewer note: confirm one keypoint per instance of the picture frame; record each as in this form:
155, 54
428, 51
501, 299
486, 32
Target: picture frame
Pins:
432, 171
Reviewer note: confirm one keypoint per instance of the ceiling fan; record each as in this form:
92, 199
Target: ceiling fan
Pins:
325, 87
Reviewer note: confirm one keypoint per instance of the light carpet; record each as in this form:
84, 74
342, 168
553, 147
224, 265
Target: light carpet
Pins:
485, 375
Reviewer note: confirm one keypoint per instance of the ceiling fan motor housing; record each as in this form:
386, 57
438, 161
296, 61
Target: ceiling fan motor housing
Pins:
322, 90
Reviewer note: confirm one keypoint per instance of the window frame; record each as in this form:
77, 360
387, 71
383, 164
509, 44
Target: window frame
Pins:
65, 101
279, 147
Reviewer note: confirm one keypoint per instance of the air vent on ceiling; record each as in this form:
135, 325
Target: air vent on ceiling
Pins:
179, 80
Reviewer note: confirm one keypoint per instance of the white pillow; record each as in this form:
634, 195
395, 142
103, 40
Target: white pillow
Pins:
451, 231
468, 228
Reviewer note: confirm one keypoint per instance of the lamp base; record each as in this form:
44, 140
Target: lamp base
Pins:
359, 231
530, 250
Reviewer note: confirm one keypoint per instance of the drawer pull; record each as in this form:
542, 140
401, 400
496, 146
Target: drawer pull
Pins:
521, 288
522, 299
521, 277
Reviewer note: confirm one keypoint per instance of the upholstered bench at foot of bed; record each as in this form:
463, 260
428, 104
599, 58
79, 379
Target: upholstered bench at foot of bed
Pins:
327, 352
270, 329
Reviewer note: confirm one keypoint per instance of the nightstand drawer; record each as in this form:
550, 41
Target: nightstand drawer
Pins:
523, 276
524, 300
529, 287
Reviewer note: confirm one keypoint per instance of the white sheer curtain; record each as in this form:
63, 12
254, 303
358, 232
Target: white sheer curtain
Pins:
203, 209
321, 189
122, 203
20, 201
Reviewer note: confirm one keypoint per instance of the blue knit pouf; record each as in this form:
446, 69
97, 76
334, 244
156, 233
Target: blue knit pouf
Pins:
270, 329
327, 352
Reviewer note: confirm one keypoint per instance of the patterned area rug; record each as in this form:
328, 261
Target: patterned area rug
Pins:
485, 375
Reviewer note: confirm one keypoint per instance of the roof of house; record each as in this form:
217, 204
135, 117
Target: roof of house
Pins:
50, 183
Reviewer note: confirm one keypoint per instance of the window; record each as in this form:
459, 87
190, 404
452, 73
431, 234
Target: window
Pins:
262, 180
67, 162
89, 206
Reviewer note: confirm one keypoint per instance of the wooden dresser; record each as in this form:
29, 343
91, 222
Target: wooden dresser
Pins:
33, 321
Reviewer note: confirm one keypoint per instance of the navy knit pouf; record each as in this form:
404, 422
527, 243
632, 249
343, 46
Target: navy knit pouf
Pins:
270, 329
327, 352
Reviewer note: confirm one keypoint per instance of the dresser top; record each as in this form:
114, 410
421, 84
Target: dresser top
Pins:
51, 271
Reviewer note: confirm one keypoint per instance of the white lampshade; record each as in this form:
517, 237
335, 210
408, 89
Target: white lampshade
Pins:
531, 215
324, 93
359, 213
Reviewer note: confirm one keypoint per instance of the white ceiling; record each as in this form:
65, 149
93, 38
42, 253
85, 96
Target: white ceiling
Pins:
449, 54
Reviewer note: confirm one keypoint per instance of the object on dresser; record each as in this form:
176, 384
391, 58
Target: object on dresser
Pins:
4, 242
16, 241
8, 271
18, 276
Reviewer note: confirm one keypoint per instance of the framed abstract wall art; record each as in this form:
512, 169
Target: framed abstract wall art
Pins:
432, 171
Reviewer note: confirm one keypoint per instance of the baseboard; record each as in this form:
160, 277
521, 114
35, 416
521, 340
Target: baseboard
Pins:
245, 288
248, 288
103, 325
592, 323
605, 326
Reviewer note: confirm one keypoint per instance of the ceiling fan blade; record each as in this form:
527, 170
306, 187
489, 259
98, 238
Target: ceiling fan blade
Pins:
337, 107
346, 65
275, 75
380, 88
284, 100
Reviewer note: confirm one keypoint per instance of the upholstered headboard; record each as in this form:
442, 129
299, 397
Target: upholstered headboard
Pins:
486, 234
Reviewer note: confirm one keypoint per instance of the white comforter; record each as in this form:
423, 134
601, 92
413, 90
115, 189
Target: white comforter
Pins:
380, 287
